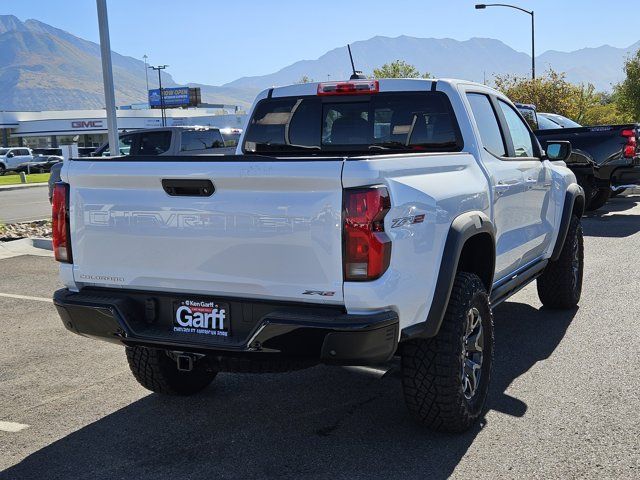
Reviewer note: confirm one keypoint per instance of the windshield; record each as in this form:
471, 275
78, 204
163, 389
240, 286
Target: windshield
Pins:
3, 151
564, 122
382, 123
545, 123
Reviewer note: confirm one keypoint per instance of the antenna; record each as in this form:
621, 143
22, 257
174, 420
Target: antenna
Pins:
357, 74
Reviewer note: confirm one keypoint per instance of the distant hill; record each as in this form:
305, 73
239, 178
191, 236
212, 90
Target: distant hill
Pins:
474, 59
45, 68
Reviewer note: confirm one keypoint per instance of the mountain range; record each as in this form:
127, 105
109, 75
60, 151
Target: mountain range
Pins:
45, 68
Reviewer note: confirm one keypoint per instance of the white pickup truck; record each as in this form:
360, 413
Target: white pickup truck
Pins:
12, 158
358, 220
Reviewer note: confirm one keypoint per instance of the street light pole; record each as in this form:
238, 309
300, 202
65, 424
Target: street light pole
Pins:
107, 77
146, 75
482, 6
159, 69
533, 46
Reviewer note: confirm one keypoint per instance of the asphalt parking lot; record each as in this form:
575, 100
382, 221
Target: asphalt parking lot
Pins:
24, 204
563, 403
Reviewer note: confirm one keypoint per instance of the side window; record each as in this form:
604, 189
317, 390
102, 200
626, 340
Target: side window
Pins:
154, 143
487, 123
125, 143
520, 135
201, 140
23, 151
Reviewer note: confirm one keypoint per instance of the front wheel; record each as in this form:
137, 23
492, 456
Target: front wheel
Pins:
445, 378
560, 285
156, 371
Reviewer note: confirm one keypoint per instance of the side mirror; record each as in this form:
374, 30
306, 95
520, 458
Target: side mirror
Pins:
11, 155
558, 150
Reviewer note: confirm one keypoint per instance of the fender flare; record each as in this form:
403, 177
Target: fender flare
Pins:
573, 201
463, 227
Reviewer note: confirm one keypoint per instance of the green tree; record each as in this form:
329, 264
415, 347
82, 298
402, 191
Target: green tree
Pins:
305, 79
627, 93
398, 69
607, 112
550, 93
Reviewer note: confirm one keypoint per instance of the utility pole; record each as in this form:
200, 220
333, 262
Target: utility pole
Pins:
159, 69
107, 77
146, 75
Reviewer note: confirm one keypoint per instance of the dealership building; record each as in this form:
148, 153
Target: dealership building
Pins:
88, 128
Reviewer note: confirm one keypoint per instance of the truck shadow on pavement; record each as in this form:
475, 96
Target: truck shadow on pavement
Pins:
611, 221
320, 423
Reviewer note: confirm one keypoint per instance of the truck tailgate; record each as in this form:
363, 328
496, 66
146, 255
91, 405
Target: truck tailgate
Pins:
271, 229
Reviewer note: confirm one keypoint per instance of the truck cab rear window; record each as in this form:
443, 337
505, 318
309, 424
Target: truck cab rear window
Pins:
193, 140
382, 123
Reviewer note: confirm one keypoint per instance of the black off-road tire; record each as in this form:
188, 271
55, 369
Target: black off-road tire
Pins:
432, 368
617, 193
156, 371
3, 170
560, 285
599, 199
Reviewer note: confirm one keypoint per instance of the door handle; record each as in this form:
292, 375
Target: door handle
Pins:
180, 187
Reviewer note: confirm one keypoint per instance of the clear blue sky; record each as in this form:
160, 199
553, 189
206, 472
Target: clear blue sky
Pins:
215, 42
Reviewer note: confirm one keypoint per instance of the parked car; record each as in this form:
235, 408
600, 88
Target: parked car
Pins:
11, 158
169, 141
86, 151
47, 151
357, 220
605, 158
39, 164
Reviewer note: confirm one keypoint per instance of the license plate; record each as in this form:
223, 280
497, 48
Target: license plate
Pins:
204, 317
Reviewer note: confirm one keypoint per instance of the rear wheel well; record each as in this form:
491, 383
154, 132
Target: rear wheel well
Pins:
478, 256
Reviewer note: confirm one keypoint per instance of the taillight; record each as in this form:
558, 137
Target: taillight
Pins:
630, 147
367, 248
352, 87
60, 212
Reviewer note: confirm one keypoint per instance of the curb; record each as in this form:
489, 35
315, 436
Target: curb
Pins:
41, 247
21, 186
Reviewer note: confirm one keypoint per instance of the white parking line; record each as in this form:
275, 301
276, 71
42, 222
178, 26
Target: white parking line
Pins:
26, 297
12, 427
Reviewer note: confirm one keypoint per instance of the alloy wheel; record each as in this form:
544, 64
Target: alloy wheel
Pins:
472, 353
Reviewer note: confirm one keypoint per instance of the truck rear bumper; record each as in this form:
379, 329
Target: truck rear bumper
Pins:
296, 331
626, 176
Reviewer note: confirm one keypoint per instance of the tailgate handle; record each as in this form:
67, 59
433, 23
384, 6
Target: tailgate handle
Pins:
181, 187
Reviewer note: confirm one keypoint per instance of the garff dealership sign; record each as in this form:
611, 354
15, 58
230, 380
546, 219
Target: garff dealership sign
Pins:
86, 124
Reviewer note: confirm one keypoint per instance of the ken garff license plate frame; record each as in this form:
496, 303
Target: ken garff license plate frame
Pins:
203, 317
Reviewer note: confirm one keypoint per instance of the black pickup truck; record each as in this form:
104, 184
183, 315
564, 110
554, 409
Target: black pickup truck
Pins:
605, 158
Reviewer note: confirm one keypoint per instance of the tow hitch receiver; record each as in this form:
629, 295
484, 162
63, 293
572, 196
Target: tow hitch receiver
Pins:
184, 361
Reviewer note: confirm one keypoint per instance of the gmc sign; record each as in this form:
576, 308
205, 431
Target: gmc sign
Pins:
86, 124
